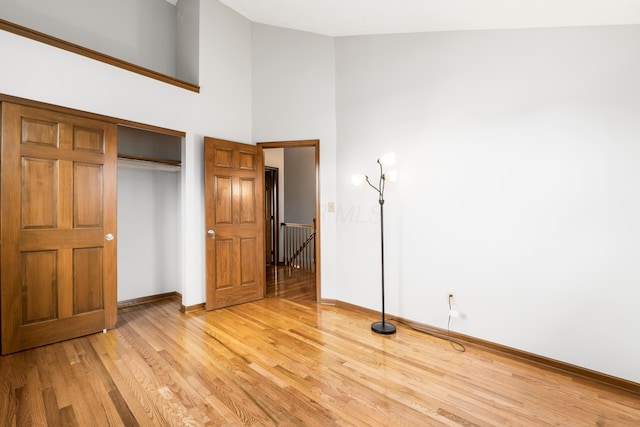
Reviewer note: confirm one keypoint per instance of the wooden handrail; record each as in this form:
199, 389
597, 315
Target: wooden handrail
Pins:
301, 248
296, 224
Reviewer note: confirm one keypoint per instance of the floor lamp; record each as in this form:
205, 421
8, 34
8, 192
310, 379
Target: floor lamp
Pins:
388, 159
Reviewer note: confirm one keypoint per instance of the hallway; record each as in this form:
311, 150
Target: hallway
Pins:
290, 283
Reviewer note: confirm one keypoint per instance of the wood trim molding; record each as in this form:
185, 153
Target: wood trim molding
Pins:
191, 308
89, 53
290, 144
151, 298
169, 295
576, 372
67, 110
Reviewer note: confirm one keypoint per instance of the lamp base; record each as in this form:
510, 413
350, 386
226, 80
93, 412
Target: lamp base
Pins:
384, 328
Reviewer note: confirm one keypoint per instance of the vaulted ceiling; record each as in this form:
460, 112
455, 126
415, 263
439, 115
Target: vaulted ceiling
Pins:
358, 17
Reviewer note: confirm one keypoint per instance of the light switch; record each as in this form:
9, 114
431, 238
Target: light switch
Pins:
331, 207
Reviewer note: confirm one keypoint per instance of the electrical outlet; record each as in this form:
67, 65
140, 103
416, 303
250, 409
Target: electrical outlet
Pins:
452, 299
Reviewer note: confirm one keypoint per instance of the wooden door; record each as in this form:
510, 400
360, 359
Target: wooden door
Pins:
58, 205
234, 218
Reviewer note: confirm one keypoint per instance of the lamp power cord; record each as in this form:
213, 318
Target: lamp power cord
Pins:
456, 345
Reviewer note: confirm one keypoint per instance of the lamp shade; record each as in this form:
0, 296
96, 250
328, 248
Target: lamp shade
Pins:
358, 179
391, 176
388, 159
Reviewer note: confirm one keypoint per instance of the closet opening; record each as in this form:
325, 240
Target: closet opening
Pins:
149, 221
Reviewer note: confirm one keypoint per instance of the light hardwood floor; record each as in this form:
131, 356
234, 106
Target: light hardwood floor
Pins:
290, 283
290, 363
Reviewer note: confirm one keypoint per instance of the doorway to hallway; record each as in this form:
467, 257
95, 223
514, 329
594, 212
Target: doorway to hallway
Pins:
291, 202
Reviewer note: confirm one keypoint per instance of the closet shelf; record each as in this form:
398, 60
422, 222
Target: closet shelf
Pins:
149, 159
141, 162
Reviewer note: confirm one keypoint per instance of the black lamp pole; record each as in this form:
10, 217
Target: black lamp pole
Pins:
382, 327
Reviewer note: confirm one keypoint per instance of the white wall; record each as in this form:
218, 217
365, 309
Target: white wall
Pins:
300, 185
294, 99
142, 32
188, 40
519, 169
222, 109
148, 238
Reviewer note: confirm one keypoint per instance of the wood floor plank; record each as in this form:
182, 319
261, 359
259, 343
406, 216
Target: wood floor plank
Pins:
8, 390
182, 359
287, 362
137, 405
95, 384
52, 412
137, 401
231, 402
34, 404
165, 411
174, 382
68, 417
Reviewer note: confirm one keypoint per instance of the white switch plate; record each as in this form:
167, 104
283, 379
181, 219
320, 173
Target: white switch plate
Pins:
331, 207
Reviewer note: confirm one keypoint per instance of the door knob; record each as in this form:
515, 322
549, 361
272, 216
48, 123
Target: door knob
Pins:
109, 237
211, 234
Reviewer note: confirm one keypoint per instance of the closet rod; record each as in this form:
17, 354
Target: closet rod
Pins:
149, 159
147, 164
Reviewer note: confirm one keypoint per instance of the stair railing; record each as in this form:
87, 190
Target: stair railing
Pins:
299, 245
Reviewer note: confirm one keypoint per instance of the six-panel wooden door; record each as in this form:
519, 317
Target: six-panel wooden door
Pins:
58, 223
234, 217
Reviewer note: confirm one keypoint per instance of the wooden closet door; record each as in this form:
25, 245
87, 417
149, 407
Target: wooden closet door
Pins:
58, 224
